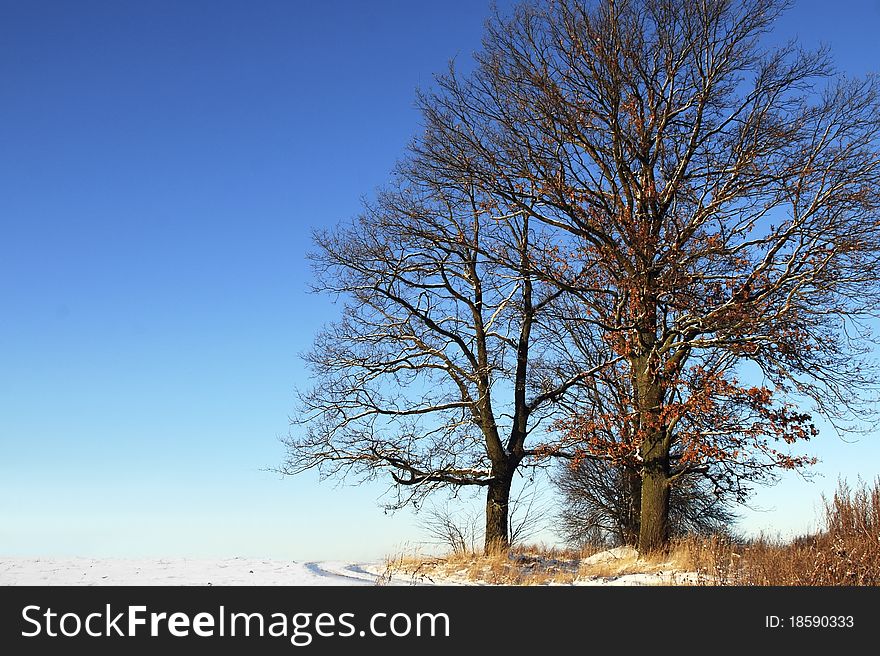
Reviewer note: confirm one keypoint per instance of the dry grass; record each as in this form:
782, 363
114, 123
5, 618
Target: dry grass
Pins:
845, 552
522, 566
527, 565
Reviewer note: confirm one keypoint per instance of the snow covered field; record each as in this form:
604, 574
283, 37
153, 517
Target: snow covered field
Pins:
240, 571
181, 571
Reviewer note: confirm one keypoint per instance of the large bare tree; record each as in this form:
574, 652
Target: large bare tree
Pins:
436, 373
716, 203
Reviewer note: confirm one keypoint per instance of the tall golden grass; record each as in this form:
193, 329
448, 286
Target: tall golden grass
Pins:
845, 552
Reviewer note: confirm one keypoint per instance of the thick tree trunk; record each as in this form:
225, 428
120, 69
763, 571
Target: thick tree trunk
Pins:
654, 528
654, 510
497, 528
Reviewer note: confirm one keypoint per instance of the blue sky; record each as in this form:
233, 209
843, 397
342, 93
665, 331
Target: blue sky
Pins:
161, 167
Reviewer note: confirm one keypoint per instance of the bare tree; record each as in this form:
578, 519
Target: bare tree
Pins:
435, 373
716, 205
457, 527
460, 531
529, 512
600, 504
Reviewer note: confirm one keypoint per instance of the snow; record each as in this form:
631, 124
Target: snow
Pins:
180, 571
251, 571
618, 553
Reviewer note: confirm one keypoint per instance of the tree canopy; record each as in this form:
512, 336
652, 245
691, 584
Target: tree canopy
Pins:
648, 226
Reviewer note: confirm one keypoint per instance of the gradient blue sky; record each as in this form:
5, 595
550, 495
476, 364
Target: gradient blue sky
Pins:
161, 167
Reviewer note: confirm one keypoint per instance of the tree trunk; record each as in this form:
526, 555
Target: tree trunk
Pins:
497, 528
654, 529
631, 513
654, 510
